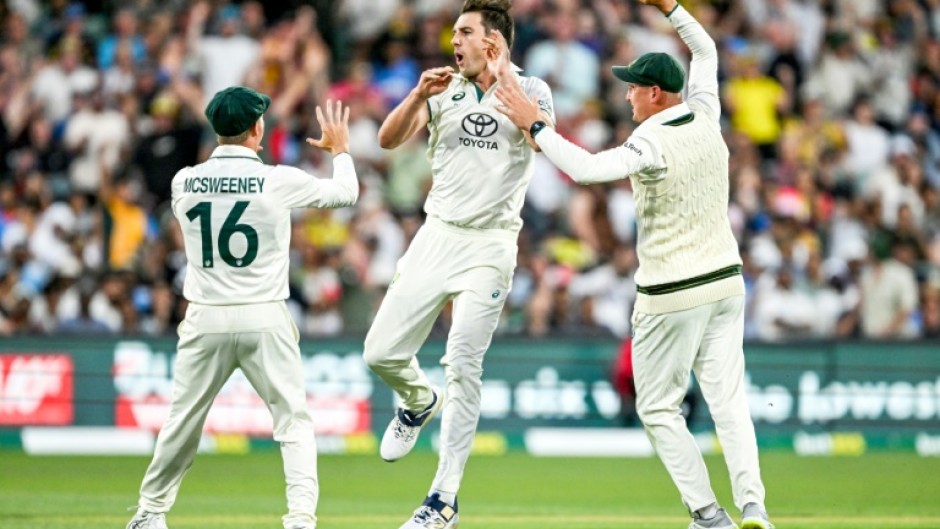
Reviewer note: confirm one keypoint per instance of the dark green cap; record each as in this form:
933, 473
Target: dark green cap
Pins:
653, 69
235, 109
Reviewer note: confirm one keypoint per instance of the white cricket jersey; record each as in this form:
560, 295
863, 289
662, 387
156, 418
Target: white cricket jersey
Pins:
234, 212
480, 161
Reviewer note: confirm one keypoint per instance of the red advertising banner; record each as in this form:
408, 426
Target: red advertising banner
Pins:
36, 389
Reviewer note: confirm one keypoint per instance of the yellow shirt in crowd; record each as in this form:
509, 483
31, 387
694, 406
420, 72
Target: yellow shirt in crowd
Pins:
755, 108
128, 230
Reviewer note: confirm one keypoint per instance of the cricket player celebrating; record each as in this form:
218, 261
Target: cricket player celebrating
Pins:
234, 212
465, 251
689, 312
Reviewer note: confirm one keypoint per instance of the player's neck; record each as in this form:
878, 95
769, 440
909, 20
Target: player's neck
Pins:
666, 105
484, 80
253, 143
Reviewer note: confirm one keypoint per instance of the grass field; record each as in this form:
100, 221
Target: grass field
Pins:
890, 491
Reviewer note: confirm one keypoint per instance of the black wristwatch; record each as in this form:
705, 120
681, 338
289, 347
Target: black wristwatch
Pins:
536, 127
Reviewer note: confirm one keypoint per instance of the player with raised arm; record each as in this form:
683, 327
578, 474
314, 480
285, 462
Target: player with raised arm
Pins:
466, 250
689, 312
234, 212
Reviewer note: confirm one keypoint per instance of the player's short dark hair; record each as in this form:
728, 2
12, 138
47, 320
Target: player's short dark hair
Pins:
495, 14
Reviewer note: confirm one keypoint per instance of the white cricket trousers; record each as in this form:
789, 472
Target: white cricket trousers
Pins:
261, 339
707, 339
444, 262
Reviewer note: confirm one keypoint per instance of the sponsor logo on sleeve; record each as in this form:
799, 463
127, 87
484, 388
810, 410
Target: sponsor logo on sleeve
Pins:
545, 106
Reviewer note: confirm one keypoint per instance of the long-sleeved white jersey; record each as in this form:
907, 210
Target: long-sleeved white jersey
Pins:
234, 212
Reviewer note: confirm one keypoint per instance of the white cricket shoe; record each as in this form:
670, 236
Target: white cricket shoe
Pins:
402, 433
147, 520
719, 521
433, 514
755, 517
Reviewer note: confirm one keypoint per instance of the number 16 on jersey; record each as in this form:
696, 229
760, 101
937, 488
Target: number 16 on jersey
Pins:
203, 212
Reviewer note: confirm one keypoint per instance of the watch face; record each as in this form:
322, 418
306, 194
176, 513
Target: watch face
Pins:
537, 126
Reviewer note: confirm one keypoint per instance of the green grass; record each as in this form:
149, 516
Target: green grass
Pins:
883, 491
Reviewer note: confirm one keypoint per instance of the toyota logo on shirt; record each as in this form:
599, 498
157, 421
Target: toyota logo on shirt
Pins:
479, 125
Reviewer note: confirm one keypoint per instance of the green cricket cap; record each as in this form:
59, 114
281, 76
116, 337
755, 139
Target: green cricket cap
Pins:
235, 109
653, 69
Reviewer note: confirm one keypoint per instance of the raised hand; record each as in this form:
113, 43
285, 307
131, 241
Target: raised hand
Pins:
335, 126
434, 81
522, 110
665, 6
497, 56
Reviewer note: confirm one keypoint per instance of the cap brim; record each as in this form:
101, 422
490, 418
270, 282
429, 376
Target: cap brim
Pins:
266, 101
624, 74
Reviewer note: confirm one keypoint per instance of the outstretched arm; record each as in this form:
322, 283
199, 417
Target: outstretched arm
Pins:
412, 113
703, 71
637, 156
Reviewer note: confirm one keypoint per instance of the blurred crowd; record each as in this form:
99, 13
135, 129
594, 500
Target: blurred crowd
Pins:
831, 113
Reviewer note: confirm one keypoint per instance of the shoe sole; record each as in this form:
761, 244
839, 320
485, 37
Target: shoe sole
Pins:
428, 419
756, 524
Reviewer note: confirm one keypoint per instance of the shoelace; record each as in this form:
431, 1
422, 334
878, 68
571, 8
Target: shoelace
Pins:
404, 432
426, 515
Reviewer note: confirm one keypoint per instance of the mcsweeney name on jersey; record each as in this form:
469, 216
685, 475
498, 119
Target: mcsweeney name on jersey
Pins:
223, 184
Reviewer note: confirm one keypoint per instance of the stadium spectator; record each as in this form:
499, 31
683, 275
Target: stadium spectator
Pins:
868, 143
841, 76
170, 145
610, 291
930, 312
568, 66
813, 133
782, 310
55, 83
125, 40
754, 101
889, 294
84, 321
224, 59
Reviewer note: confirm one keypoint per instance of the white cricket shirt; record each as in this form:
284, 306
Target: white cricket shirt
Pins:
234, 212
480, 161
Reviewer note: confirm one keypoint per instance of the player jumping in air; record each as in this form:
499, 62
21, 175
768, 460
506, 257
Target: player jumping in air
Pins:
465, 252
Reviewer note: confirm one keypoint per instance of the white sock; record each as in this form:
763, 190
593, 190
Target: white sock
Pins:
447, 497
709, 511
